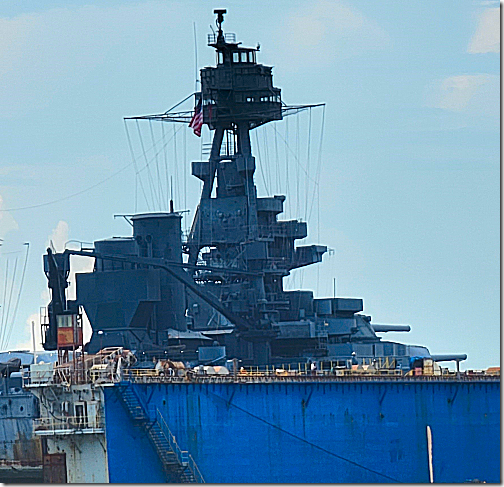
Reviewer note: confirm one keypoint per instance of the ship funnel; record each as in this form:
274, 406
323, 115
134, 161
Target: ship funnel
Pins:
158, 235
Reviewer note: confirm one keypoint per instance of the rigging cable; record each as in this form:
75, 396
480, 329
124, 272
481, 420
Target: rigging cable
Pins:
149, 175
261, 164
179, 103
289, 214
308, 163
195, 58
10, 301
4, 296
165, 154
157, 166
277, 166
73, 195
78, 193
11, 328
295, 157
6, 316
184, 140
319, 164
316, 189
267, 158
136, 193
317, 177
176, 171
297, 168
137, 177
298, 183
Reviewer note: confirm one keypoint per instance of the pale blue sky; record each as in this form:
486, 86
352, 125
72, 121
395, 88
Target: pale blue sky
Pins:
408, 193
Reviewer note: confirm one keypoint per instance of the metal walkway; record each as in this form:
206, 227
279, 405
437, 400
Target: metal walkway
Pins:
178, 465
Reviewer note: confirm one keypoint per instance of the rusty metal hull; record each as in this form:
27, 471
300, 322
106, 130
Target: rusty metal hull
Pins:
20, 449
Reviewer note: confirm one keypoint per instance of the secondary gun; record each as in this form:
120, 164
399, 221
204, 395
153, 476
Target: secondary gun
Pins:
386, 328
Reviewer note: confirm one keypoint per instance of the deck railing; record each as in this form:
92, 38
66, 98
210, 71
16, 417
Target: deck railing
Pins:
68, 424
184, 457
278, 377
341, 370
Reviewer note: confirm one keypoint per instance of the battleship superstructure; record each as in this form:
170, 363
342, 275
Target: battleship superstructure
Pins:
343, 406
223, 285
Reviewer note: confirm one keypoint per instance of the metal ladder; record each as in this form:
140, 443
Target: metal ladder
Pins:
322, 336
177, 464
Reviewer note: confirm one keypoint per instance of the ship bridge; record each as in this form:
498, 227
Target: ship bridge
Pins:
237, 90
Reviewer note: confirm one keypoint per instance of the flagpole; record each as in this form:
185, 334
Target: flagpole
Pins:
195, 58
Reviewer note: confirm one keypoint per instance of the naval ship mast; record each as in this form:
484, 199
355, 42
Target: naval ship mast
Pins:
241, 230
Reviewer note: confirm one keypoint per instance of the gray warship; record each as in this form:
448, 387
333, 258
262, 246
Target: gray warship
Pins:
218, 293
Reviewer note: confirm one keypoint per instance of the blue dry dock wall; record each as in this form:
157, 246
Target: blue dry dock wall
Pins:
130, 455
317, 432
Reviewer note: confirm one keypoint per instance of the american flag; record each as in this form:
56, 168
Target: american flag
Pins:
197, 120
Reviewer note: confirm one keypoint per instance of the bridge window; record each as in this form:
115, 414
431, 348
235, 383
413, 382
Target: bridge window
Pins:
250, 99
244, 57
220, 57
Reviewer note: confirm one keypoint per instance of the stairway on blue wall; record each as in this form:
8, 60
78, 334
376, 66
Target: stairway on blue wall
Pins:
178, 465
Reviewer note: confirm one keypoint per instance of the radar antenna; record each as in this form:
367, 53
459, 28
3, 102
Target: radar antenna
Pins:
220, 18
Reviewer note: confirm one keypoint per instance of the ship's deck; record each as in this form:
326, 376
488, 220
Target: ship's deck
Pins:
147, 376
98, 373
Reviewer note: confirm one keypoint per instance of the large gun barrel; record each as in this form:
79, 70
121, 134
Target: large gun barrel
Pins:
450, 357
385, 328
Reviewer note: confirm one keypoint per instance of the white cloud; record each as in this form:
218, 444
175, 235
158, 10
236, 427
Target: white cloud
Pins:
7, 221
58, 237
28, 344
475, 93
487, 35
329, 30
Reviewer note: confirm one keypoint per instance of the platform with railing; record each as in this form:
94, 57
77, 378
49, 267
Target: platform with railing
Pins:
255, 378
70, 425
229, 37
382, 369
326, 372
